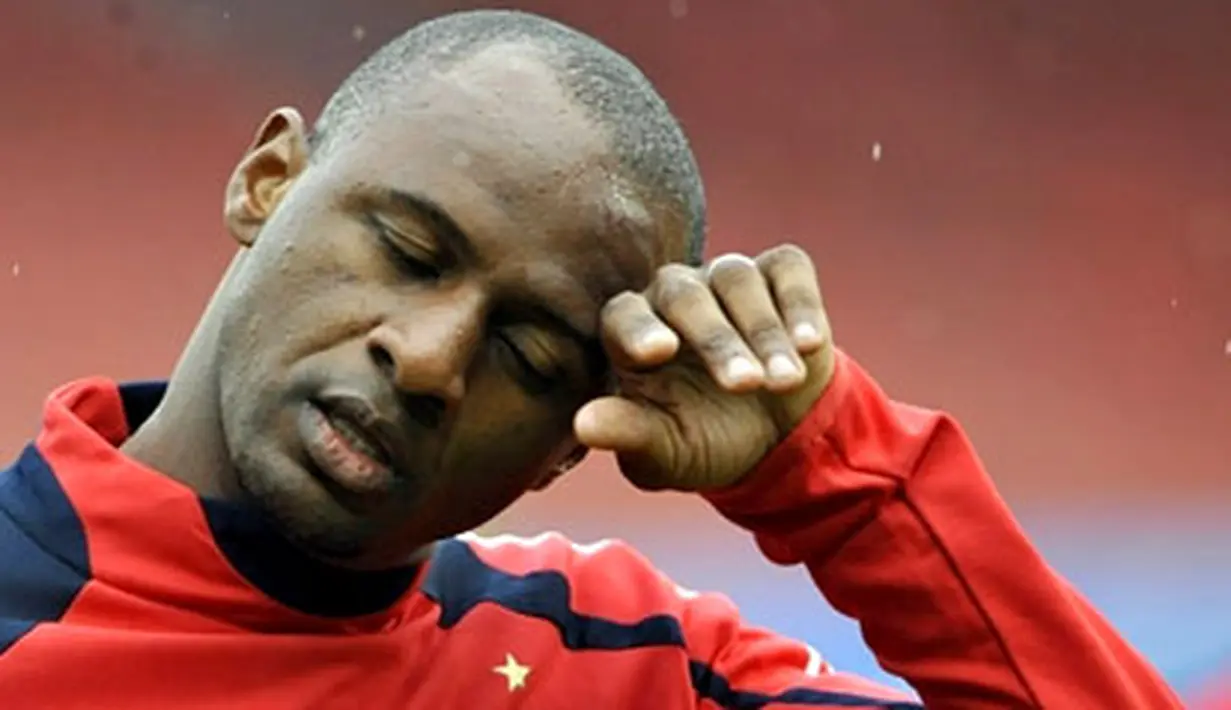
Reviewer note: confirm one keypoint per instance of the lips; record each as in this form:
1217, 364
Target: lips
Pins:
348, 453
358, 441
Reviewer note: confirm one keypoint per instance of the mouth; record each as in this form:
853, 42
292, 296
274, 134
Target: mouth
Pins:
346, 448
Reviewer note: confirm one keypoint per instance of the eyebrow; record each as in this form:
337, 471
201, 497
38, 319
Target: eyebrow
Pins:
563, 323
419, 207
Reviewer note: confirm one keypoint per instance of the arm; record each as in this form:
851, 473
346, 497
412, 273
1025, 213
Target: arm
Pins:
900, 527
737, 666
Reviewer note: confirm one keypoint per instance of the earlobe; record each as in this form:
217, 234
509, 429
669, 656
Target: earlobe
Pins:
278, 154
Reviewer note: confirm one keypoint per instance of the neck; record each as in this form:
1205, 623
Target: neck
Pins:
184, 437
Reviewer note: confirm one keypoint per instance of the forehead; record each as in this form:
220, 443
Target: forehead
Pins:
499, 145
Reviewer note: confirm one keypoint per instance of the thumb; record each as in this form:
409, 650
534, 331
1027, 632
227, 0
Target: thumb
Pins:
619, 425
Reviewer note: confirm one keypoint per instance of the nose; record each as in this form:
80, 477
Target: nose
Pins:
426, 357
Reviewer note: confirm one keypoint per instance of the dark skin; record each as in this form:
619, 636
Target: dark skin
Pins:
472, 271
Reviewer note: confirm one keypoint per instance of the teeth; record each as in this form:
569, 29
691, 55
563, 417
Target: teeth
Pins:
357, 440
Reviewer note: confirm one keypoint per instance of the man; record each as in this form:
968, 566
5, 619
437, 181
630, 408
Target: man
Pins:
476, 268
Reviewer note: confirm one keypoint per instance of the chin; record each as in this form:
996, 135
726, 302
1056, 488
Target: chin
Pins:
329, 547
323, 529
350, 548
303, 512
361, 555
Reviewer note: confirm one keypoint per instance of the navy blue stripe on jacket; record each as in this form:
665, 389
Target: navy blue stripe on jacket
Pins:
459, 580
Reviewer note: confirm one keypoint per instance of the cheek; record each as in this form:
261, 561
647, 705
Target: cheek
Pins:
504, 440
304, 294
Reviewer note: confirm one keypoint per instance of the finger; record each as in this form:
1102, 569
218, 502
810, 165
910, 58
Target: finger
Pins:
634, 337
616, 424
743, 292
690, 308
634, 433
793, 283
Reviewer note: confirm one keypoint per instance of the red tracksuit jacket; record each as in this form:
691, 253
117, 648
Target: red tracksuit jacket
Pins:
120, 589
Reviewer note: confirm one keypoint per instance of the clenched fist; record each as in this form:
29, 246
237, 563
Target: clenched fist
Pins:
714, 367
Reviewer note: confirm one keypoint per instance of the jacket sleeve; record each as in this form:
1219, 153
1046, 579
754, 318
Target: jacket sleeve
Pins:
900, 527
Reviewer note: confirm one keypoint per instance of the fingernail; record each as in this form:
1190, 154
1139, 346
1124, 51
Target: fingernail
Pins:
658, 337
584, 420
782, 367
741, 368
805, 331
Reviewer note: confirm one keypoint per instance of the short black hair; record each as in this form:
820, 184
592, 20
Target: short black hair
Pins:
644, 135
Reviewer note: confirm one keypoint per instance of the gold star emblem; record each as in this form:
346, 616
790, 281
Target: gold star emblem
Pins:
514, 672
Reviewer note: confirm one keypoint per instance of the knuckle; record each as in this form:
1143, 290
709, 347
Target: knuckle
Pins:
732, 269
767, 336
718, 345
679, 289
674, 272
799, 296
618, 305
782, 254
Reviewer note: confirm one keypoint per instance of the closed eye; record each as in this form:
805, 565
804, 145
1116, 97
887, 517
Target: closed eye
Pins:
535, 378
403, 257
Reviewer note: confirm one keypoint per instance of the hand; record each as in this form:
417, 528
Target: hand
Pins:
714, 366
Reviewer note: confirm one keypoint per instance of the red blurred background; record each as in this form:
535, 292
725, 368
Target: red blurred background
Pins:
1021, 211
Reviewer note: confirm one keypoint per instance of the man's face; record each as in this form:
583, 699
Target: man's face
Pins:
406, 340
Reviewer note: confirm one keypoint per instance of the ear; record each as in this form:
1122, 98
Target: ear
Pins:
276, 157
568, 463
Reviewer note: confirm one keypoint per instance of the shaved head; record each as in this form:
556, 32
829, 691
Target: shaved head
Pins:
643, 136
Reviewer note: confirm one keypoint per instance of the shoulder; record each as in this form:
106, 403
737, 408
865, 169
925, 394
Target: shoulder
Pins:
553, 551
605, 578
600, 595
